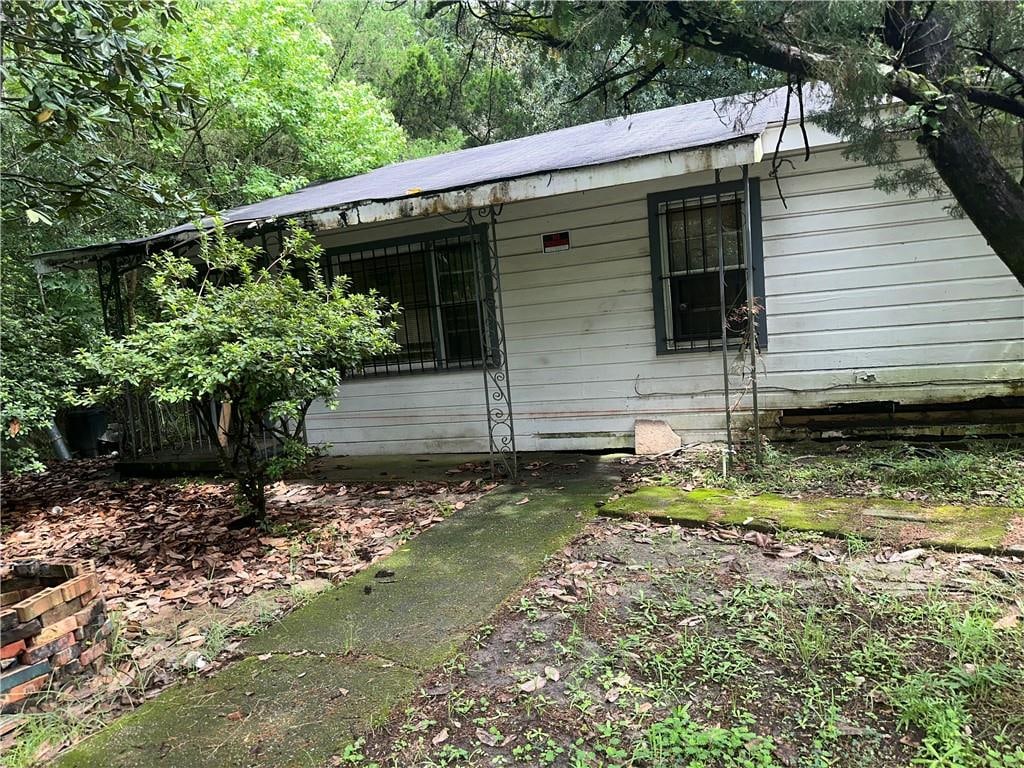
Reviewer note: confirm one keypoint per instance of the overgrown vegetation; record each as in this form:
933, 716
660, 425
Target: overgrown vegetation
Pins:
976, 472
652, 646
252, 338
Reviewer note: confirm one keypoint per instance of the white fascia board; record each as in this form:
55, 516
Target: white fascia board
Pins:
793, 139
747, 150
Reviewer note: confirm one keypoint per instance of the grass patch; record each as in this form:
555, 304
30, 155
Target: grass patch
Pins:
691, 653
977, 472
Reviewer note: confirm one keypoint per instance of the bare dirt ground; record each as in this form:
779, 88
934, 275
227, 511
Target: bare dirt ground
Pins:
651, 645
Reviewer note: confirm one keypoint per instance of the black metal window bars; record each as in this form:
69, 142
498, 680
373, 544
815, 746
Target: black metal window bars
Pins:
433, 280
690, 270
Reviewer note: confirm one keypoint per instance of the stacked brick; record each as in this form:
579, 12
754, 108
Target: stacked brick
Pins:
53, 624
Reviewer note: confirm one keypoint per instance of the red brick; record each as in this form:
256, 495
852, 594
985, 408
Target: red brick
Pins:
12, 649
61, 658
15, 676
22, 631
23, 691
38, 604
79, 585
39, 653
61, 611
52, 632
12, 596
92, 653
90, 612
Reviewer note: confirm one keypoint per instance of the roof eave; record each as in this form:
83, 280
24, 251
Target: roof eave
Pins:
737, 151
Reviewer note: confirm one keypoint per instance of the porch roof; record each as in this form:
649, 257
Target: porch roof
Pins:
419, 186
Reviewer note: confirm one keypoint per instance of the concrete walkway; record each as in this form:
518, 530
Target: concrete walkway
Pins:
313, 683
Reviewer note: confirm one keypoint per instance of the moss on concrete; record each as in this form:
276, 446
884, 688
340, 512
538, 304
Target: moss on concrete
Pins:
980, 529
282, 711
447, 581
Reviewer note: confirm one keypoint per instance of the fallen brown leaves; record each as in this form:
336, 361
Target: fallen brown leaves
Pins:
164, 543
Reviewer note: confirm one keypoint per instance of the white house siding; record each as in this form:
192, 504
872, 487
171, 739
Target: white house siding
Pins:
869, 297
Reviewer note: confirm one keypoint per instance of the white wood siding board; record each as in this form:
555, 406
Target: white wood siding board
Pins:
853, 221
872, 255
341, 447
882, 296
525, 329
583, 288
540, 372
860, 200
599, 234
441, 431
633, 338
434, 424
807, 183
777, 243
533, 266
999, 308
421, 384
621, 213
589, 305
793, 385
885, 275
612, 270
898, 336
610, 260
982, 351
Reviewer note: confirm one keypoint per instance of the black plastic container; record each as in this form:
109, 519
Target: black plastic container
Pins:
83, 428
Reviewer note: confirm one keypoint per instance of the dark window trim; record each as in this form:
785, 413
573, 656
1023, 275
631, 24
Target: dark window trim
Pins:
481, 232
656, 199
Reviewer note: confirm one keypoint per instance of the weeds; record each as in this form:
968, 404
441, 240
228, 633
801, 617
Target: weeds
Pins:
977, 472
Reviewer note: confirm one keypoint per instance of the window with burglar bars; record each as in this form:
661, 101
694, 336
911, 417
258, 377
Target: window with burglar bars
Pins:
686, 260
433, 280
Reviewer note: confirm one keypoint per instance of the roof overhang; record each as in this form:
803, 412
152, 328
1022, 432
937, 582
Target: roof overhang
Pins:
744, 150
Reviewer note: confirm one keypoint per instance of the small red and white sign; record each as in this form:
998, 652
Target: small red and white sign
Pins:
555, 241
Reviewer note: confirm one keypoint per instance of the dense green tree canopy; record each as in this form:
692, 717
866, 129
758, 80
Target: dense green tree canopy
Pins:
75, 73
273, 115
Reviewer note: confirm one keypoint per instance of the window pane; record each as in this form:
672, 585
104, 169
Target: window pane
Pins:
435, 284
695, 305
400, 277
461, 333
692, 293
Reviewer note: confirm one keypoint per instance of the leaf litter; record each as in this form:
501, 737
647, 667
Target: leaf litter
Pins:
180, 582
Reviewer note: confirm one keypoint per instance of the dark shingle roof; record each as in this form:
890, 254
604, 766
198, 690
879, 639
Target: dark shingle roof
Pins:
683, 127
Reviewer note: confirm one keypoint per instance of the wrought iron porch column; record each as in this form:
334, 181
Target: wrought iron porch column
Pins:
501, 433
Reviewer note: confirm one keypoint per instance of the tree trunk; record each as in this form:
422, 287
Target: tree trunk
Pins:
989, 196
252, 493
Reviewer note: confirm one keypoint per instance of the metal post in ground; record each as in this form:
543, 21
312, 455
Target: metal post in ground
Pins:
751, 310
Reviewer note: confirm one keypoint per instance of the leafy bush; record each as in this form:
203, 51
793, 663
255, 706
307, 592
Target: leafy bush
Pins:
252, 338
38, 368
